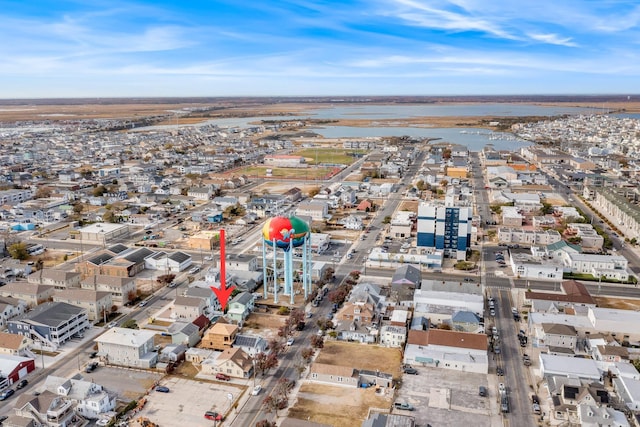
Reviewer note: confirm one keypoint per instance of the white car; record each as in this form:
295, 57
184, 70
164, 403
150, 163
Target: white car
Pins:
112, 325
256, 390
290, 341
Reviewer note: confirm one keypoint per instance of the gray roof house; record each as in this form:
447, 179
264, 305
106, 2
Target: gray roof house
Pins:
240, 307
406, 275
250, 344
184, 333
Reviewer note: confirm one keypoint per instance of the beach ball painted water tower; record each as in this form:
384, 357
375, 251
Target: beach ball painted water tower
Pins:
285, 234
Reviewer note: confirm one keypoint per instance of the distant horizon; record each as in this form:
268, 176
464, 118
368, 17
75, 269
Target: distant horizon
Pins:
221, 48
604, 97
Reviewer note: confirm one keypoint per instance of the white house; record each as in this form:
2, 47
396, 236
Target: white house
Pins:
127, 347
90, 398
393, 336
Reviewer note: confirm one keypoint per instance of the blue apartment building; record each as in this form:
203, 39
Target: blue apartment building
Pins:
445, 227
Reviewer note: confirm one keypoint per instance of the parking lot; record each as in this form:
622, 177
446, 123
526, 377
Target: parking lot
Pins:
446, 397
129, 384
188, 400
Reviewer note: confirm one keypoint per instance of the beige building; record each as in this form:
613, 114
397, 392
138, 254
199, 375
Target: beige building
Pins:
98, 304
122, 289
102, 232
220, 336
204, 240
233, 362
58, 278
31, 293
188, 308
13, 344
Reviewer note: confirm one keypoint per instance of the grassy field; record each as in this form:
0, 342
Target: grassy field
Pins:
361, 356
327, 155
336, 406
300, 173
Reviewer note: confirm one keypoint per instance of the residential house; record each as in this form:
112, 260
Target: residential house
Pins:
14, 344
172, 353
127, 347
233, 362
122, 289
628, 390
97, 304
393, 336
89, 398
188, 308
31, 410
9, 308
353, 222
220, 336
32, 294
211, 303
318, 210
184, 333
250, 344
357, 322
407, 275
169, 262
557, 335
241, 262
240, 307
57, 278
51, 324
466, 321
334, 375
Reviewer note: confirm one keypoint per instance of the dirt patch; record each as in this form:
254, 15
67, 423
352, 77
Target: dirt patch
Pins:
336, 406
361, 356
264, 324
618, 303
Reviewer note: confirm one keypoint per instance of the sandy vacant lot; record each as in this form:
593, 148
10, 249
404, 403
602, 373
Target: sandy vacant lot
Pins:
618, 303
361, 356
336, 406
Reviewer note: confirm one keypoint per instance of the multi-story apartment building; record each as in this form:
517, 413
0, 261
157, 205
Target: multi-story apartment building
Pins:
445, 227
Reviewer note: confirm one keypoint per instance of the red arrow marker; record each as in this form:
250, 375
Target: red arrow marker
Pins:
223, 293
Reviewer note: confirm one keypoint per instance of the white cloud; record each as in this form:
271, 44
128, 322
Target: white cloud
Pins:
551, 38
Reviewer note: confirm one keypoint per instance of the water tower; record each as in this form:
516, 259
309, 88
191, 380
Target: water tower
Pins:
286, 233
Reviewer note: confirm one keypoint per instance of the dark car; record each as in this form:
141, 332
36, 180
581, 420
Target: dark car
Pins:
499, 371
213, 416
162, 389
3, 418
410, 370
482, 391
91, 367
22, 384
535, 399
93, 355
7, 394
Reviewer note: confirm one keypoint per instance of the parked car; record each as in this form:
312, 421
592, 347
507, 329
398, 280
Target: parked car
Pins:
535, 399
162, 389
112, 325
213, 416
22, 384
403, 406
3, 418
536, 409
482, 391
410, 370
499, 371
290, 341
222, 377
93, 355
256, 390
91, 367
7, 394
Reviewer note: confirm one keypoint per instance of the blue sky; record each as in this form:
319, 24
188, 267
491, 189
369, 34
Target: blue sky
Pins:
105, 48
